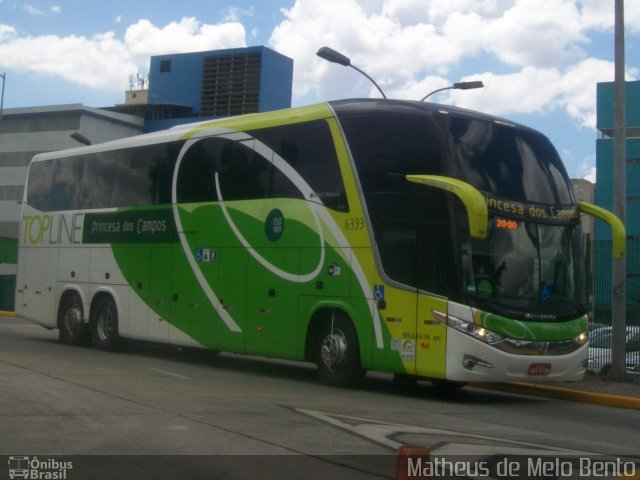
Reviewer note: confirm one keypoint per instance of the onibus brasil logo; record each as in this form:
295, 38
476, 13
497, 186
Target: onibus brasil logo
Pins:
36, 469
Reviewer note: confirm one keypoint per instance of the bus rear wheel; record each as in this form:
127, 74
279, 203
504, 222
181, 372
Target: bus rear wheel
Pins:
338, 353
72, 329
104, 323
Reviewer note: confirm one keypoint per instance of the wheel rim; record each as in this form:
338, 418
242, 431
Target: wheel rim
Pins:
73, 320
104, 325
333, 350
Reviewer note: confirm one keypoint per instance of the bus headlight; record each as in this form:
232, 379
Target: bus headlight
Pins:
581, 339
470, 328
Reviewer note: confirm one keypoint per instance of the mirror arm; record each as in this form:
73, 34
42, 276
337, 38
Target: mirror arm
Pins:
470, 196
618, 232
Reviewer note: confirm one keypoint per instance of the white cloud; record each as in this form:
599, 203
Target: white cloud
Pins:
532, 52
578, 88
55, 9
536, 33
100, 61
234, 14
591, 175
31, 10
7, 32
188, 35
587, 168
104, 61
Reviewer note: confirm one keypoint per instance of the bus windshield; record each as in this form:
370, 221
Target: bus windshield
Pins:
525, 269
529, 265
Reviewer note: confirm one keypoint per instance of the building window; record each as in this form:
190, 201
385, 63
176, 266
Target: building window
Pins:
231, 84
165, 66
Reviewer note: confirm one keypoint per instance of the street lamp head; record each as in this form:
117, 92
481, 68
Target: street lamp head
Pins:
78, 137
456, 86
468, 85
332, 56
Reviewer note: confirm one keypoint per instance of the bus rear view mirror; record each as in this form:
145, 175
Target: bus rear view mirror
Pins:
473, 200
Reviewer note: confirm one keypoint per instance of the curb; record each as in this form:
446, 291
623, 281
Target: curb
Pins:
564, 393
5, 313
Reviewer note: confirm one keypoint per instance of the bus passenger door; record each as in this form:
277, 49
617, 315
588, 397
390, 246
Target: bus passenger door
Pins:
397, 300
436, 282
431, 337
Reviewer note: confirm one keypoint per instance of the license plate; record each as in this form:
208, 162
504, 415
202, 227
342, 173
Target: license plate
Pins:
539, 369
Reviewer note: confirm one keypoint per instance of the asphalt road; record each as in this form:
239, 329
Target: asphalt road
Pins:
203, 411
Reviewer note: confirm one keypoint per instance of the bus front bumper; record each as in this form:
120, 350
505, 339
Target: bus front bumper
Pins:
471, 360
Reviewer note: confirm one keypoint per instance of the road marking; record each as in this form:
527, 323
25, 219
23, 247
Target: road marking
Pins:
164, 372
439, 441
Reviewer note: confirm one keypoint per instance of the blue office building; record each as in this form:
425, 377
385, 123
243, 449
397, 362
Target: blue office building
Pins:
196, 86
604, 195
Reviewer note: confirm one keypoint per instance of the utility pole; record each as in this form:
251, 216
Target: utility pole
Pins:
619, 274
4, 79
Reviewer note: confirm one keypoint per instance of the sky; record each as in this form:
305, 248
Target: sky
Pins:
540, 60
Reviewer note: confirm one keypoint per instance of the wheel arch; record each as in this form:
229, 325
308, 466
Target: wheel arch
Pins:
99, 294
321, 313
66, 292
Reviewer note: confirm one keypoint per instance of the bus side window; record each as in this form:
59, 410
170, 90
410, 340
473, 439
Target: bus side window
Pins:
39, 186
133, 183
243, 174
308, 148
196, 178
97, 182
67, 174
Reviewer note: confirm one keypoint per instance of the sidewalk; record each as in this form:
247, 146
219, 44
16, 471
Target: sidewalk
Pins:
592, 389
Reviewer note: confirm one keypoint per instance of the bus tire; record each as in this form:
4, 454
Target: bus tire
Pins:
104, 324
337, 352
71, 329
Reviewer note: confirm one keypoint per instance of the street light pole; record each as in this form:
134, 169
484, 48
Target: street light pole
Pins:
4, 77
332, 56
619, 274
456, 86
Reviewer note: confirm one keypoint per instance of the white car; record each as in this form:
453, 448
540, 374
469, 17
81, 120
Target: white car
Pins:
600, 350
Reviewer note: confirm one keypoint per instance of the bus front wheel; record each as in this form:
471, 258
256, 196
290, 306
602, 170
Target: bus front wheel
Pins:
104, 324
338, 352
72, 329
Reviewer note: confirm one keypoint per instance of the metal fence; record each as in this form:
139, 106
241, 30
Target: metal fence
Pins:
599, 294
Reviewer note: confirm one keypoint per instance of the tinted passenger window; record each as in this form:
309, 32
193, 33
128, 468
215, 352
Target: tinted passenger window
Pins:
196, 178
309, 149
118, 178
386, 148
242, 172
39, 186
97, 181
67, 175
410, 223
142, 175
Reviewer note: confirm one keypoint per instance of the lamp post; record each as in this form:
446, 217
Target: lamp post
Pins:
78, 137
332, 56
4, 77
457, 86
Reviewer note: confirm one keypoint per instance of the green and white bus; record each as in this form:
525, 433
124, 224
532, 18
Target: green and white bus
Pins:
397, 236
